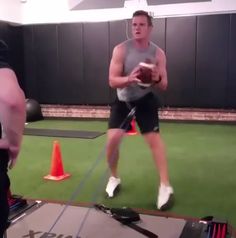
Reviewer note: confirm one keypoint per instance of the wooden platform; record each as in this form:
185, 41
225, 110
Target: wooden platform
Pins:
51, 219
39, 221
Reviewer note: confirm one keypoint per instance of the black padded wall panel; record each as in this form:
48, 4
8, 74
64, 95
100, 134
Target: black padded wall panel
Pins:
12, 35
119, 31
96, 58
180, 52
68, 63
231, 83
4, 31
16, 52
70, 56
46, 60
212, 60
158, 36
31, 84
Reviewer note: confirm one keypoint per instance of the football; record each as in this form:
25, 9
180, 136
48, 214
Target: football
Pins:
145, 74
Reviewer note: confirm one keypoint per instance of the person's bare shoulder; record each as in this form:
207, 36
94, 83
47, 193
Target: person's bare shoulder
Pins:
160, 54
7, 73
120, 48
118, 52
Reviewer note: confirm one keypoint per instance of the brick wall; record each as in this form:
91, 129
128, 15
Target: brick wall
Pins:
102, 112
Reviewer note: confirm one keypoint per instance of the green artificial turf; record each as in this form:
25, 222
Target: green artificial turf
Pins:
201, 164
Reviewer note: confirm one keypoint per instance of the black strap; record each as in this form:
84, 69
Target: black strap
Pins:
128, 119
124, 221
141, 230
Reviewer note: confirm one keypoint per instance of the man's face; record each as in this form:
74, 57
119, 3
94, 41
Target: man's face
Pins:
140, 27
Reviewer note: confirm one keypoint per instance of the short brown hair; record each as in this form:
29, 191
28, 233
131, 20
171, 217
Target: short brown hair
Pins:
143, 13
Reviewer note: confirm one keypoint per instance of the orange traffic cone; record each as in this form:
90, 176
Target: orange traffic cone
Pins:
133, 130
57, 171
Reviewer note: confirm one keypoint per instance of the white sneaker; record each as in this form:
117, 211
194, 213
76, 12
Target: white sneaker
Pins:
112, 185
165, 196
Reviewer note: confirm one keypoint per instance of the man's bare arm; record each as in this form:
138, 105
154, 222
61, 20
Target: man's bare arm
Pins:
116, 79
12, 112
160, 72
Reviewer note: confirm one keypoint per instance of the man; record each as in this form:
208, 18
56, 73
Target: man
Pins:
124, 75
12, 120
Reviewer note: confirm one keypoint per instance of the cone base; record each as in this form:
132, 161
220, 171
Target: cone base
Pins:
132, 133
57, 178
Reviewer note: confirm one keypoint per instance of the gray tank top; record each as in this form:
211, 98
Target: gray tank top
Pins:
133, 57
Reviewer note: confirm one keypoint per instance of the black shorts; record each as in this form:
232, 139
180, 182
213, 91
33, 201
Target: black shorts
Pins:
4, 188
146, 114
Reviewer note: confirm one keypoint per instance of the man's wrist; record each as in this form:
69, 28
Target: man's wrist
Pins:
158, 81
127, 80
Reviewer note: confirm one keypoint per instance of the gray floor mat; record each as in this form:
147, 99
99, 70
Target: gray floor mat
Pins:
97, 224
62, 133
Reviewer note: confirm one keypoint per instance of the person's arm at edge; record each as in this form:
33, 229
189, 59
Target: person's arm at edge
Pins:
12, 113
